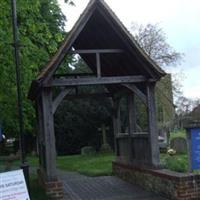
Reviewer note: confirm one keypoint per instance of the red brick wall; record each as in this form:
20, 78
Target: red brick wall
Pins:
54, 189
172, 185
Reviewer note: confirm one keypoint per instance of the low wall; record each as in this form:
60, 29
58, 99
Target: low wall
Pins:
172, 185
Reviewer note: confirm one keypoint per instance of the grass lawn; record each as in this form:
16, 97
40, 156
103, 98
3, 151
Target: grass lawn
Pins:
92, 165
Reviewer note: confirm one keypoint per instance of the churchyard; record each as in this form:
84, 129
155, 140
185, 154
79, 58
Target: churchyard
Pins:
98, 119
95, 164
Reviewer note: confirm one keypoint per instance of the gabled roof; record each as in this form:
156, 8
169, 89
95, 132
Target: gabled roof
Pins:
99, 28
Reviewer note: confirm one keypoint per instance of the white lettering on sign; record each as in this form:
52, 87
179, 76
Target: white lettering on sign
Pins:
13, 186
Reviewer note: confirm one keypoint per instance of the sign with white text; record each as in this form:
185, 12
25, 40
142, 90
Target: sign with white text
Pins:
13, 186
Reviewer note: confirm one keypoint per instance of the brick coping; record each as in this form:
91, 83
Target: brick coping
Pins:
164, 173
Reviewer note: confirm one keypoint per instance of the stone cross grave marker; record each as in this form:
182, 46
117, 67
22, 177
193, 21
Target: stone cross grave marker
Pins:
105, 147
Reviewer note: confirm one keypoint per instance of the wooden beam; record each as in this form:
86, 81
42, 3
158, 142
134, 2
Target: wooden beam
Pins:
153, 130
137, 91
98, 63
74, 33
94, 51
131, 124
49, 136
59, 98
74, 75
40, 135
116, 123
127, 38
131, 113
96, 81
82, 96
134, 135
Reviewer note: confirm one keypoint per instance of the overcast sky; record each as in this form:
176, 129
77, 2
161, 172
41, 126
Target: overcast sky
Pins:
180, 20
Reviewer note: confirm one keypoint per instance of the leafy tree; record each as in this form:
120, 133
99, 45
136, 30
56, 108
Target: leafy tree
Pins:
152, 39
186, 105
187, 110
41, 30
82, 118
154, 42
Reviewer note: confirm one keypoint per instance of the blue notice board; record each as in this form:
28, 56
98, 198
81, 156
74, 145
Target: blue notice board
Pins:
195, 148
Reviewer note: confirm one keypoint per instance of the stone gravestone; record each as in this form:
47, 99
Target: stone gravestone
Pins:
87, 150
105, 147
163, 139
179, 145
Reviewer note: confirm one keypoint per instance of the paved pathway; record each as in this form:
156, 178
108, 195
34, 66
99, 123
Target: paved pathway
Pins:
79, 187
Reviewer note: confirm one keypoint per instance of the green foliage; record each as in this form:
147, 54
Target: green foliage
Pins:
178, 163
178, 133
93, 165
36, 192
164, 103
81, 118
41, 29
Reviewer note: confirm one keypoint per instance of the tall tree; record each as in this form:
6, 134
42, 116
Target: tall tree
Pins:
153, 41
41, 29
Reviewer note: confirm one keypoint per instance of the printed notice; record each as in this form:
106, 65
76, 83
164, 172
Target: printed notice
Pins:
13, 186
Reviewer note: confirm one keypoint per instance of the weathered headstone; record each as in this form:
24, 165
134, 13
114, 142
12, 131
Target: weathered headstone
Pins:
88, 150
163, 139
105, 147
179, 144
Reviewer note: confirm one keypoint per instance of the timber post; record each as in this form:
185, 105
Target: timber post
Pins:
49, 136
116, 122
153, 130
131, 123
131, 113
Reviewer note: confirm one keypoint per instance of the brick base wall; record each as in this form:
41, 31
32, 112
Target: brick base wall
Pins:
53, 189
172, 185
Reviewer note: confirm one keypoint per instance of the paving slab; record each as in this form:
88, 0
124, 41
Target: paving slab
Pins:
80, 187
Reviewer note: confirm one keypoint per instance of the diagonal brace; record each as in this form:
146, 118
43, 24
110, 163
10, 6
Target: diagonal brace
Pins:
138, 92
59, 98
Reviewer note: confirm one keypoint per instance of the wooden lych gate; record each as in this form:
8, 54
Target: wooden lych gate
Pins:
118, 63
